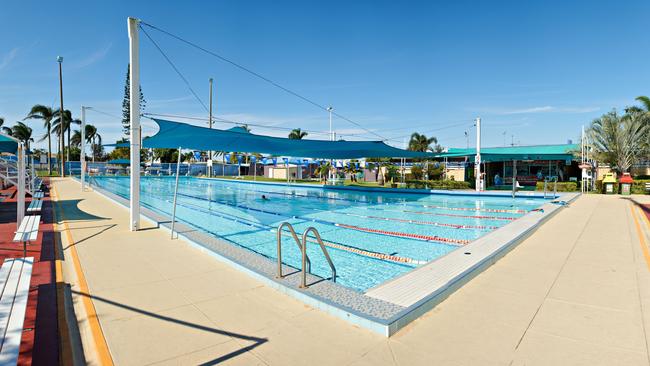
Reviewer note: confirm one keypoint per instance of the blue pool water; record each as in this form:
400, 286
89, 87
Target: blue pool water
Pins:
371, 236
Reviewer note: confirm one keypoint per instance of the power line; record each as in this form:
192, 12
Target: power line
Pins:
187, 83
223, 120
104, 113
433, 130
289, 91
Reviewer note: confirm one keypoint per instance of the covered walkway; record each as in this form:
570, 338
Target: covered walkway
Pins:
577, 291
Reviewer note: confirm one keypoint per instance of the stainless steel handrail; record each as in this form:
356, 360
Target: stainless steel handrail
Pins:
303, 283
545, 186
295, 238
555, 188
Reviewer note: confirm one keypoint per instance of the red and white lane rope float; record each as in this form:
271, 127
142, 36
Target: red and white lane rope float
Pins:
455, 226
465, 216
452, 241
367, 253
505, 210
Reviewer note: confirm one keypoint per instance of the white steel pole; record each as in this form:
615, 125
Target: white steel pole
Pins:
210, 124
178, 172
33, 178
477, 159
330, 109
20, 214
82, 157
134, 85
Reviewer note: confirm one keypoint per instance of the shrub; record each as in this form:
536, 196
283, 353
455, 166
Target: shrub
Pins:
417, 172
437, 184
561, 186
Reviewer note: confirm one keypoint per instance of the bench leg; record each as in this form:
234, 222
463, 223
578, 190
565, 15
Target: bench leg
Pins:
24, 249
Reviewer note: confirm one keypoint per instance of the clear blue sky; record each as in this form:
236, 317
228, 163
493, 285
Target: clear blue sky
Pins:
537, 71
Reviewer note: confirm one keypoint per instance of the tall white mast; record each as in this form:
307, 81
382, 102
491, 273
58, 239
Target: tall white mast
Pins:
477, 159
134, 85
82, 157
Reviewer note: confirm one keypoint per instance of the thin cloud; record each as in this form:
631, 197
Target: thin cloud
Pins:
93, 58
543, 109
548, 108
10, 56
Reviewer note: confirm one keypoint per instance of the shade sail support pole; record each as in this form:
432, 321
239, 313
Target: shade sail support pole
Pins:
82, 157
134, 104
477, 159
178, 173
20, 201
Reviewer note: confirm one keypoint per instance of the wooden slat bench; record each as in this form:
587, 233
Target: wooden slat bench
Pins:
27, 231
35, 206
647, 186
15, 276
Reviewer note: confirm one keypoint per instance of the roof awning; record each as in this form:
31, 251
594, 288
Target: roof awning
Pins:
175, 134
8, 144
496, 154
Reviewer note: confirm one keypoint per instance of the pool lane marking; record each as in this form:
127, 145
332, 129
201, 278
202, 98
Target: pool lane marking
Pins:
495, 210
327, 243
641, 235
429, 238
101, 347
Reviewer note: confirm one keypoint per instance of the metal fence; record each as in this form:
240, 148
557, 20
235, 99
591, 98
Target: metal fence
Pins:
161, 169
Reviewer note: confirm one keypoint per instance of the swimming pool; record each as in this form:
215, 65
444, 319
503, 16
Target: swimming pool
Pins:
371, 237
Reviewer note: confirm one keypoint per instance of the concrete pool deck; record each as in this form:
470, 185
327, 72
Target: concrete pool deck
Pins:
577, 291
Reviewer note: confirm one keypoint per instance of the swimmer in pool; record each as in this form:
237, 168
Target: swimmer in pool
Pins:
265, 198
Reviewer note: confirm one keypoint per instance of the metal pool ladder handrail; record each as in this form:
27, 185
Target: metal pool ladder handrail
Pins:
295, 238
303, 283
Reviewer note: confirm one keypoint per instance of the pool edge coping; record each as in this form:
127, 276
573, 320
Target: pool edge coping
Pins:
387, 327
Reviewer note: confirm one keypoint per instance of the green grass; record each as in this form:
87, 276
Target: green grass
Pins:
43, 173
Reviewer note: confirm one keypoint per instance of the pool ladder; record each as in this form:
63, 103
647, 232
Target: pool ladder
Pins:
305, 262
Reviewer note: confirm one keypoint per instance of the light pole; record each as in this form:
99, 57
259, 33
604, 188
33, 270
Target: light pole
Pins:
210, 124
59, 59
330, 109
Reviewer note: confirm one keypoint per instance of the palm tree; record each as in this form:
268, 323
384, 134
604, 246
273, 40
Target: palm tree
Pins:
645, 101
323, 170
297, 134
59, 127
46, 114
90, 134
618, 141
421, 143
23, 133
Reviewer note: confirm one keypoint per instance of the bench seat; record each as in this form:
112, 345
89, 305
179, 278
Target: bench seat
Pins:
38, 194
35, 206
28, 229
15, 276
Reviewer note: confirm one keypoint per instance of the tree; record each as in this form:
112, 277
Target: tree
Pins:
46, 114
421, 143
645, 101
126, 103
23, 133
619, 140
297, 134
